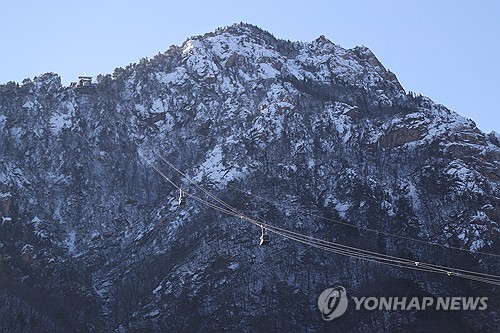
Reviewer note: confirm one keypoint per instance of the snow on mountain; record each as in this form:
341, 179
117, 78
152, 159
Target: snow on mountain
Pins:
300, 135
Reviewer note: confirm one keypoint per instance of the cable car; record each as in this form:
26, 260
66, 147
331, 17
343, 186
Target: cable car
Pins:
264, 238
181, 197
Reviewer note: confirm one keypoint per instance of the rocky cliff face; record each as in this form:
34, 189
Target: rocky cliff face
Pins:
298, 135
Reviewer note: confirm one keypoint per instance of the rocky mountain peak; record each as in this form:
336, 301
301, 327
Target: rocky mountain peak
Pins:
305, 136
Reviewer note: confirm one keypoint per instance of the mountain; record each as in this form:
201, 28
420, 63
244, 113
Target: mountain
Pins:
305, 136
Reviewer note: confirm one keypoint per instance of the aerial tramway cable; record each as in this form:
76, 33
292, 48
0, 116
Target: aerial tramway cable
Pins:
304, 212
316, 216
337, 248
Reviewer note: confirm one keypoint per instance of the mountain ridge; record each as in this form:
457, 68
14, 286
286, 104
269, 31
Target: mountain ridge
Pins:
97, 232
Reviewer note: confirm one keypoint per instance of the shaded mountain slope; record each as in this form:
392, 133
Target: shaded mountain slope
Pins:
278, 130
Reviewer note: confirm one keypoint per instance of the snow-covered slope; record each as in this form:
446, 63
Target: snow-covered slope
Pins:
278, 129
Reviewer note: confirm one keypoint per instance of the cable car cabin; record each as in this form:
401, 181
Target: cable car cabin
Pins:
181, 197
264, 239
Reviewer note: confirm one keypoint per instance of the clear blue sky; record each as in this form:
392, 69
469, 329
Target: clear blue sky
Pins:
446, 50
